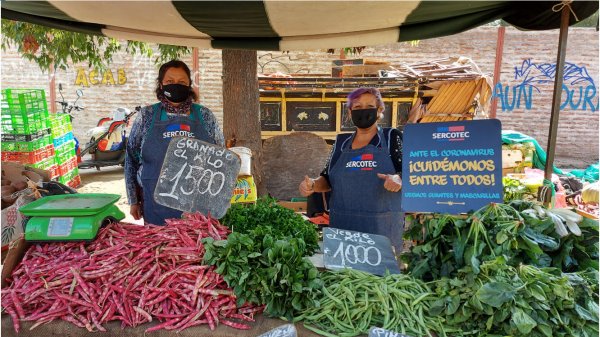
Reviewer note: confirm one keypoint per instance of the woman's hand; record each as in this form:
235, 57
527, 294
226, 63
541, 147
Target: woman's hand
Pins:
136, 211
307, 186
392, 183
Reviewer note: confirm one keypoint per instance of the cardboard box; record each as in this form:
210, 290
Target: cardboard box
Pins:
296, 206
337, 72
339, 63
13, 258
244, 191
511, 158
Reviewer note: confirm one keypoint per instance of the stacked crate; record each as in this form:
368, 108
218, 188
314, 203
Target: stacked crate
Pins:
64, 145
26, 136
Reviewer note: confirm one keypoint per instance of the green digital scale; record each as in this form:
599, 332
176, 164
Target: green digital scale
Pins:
70, 217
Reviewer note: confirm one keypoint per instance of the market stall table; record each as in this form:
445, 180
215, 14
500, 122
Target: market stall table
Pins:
66, 329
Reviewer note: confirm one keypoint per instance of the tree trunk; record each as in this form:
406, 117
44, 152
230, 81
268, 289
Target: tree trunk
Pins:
241, 116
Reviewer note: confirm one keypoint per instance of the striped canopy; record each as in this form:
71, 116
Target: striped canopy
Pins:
286, 25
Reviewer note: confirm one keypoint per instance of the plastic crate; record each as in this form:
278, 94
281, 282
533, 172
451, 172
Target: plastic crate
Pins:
17, 101
75, 182
59, 119
68, 166
49, 165
65, 152
24, 111
61, 130
29, 157
63, 139
15, 137
63, 179
60, 124
27, 123
26, 146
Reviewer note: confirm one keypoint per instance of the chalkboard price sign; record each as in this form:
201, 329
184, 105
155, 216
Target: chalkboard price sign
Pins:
197, 177
361, 251
380, 332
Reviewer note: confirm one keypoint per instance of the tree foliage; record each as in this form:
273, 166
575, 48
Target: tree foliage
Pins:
54, 49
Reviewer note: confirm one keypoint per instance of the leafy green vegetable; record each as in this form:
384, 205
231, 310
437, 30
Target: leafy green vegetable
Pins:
280, 221
263, 259
515, 231
503, 300
495, 294
513, 189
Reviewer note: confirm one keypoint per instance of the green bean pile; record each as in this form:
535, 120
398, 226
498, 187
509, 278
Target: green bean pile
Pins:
353, 301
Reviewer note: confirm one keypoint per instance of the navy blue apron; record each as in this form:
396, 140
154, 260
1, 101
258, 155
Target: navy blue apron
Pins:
154, 151
359, 202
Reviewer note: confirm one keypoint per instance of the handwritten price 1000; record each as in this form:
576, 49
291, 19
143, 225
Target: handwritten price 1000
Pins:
358, 254
209, 181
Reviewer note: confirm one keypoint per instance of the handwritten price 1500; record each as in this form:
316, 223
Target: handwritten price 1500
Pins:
214, 181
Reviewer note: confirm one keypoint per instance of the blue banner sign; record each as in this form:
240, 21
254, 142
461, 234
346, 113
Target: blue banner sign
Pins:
452, 167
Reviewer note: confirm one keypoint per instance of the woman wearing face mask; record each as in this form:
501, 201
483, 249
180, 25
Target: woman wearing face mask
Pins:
175, 115
363, 173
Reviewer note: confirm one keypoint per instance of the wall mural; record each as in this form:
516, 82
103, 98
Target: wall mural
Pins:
96, 77
579, 88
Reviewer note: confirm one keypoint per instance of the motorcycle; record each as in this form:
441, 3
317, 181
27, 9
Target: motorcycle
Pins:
108, 140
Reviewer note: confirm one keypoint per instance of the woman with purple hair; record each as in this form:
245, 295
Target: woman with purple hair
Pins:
363, 173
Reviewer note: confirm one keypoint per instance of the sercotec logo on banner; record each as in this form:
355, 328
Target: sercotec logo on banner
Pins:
450, 133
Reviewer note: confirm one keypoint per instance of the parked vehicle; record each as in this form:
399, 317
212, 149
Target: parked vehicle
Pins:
108, 139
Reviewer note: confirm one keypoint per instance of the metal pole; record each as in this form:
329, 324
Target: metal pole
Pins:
498, 67
556, 98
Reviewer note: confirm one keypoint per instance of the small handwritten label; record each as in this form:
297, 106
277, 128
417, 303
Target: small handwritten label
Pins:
380, 332
288, 330
362, 251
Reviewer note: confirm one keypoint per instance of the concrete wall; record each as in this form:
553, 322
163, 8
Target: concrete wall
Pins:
524, 93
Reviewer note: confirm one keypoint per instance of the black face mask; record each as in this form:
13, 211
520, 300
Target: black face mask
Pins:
364, 118
176, 93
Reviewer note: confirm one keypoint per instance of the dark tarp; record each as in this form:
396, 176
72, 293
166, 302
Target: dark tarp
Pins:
286, 25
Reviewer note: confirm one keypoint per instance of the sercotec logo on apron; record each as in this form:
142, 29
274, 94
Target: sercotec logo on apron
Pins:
178, 130
363, 162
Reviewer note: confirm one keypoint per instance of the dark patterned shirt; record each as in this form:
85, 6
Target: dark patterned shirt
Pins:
395, 150
135, 142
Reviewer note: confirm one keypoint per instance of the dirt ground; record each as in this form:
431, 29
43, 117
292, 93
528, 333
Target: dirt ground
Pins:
107, 180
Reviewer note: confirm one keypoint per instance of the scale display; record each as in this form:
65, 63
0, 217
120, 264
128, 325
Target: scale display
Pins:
60, 226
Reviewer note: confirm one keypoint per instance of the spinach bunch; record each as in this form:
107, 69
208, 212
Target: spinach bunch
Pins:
448, 243
281, 221
264, 269
522, 301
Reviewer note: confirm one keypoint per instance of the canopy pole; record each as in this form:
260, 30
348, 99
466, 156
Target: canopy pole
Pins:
498, 67
556, 98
